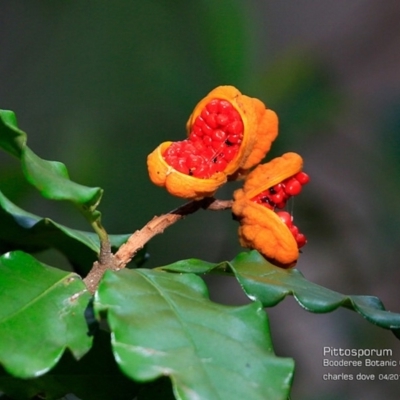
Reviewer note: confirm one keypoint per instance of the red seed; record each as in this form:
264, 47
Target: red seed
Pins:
199, 145
204, 113
224, 106
230, 152
194, 137
285, 217
193, 161
188, 148
180, 165
302, 177
197, 130
213, 106
263, 200
222, 119
301, 240
234, 114
221, 164
213, 168
235, 127
292, 187
258, 198
277, 198
171, 151
219, 134
234, 138
199, 121
211, 121
202, 171
206, 129
295, 230
207, 140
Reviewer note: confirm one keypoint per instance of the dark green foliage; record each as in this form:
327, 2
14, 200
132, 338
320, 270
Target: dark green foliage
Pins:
269, 284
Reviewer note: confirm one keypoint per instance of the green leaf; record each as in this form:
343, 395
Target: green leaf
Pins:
25, 231
49, 177
269, 284
12, 139
165, 325
192, 265
41, 315
89, 378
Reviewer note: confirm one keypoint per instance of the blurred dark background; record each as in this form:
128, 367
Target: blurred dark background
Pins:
98, 85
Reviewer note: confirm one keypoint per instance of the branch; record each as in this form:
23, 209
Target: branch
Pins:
139, 238
158, 224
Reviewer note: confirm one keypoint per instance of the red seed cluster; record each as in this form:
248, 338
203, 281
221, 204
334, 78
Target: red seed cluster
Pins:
213, 142
288, 220
277, 197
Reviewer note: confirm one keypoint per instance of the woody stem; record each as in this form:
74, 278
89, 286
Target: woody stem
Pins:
159, 223
139, 238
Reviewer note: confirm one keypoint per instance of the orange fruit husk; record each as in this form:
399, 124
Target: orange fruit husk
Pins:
260, 130
260, 228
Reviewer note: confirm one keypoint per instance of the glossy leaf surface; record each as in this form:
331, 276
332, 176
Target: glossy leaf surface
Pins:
269, 284
49, 177
22, 230
41, 315
88, 379
165, 325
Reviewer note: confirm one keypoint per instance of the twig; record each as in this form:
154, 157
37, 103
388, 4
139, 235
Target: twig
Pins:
158, 224
139, 238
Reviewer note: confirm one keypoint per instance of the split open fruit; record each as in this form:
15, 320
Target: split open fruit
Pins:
228, 133
258, 207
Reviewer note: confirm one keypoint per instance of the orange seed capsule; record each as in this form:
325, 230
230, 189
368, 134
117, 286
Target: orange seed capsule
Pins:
272, 233
228, 133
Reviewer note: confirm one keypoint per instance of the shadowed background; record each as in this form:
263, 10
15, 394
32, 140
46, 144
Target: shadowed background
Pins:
98, 85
